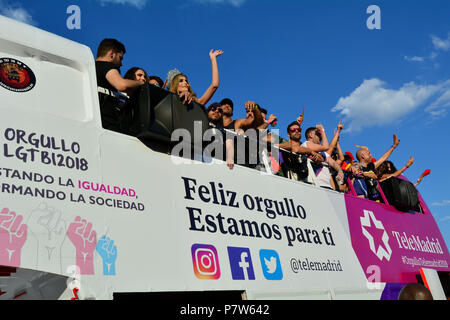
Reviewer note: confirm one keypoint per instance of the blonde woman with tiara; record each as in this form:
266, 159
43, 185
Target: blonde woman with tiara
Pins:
179, 83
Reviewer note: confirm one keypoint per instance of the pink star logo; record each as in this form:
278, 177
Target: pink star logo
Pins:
378, 233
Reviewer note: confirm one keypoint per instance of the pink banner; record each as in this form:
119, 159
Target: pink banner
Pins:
397, 243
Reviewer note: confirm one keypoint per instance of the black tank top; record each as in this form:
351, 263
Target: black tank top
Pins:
230, 126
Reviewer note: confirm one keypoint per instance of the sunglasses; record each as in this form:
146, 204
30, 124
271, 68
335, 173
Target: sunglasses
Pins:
216, 109
295, 129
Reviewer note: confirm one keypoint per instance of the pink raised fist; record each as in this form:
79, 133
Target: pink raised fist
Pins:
85, 240
13, 234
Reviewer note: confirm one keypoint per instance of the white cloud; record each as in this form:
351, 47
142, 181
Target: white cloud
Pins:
139, 4
372, 104
414, 59
438, 108
16, 12
235, 3
136, 3
443, 203
438, 44
441, 44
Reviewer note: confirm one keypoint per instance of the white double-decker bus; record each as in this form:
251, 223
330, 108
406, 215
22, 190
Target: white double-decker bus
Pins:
99, 214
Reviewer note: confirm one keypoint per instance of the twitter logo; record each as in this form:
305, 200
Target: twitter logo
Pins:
270, 263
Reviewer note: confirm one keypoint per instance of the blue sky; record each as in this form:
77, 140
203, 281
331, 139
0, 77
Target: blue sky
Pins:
286, 55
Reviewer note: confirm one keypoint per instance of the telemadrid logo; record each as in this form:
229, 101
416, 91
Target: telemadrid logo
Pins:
381, 250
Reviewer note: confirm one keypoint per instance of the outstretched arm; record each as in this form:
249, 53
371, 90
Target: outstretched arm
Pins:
230, 153
399, 172
423, 175
340, 153
255, 112
319, 147
124, 85
325, 143
285, 145
253, 118
300, 118
388, 153
335, 140
336, 167
272, 120
314, 156
215, 78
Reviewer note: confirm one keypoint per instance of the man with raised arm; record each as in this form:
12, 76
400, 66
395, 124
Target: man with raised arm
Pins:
253, 118
107, 65
294, 132
365, 157
368, 167
317, 141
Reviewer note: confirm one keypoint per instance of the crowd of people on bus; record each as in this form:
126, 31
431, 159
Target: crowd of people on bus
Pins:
333, 169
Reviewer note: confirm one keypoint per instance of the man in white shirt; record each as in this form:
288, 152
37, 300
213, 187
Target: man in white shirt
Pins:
317, 141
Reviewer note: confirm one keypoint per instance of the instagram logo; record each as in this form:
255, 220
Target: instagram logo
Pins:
205, 261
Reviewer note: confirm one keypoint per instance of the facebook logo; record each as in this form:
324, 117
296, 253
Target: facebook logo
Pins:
241, 263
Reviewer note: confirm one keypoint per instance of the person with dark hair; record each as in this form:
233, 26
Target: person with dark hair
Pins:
226, 105
415, 291
136, 73
250, 148
107, 65
295, 166
156, 81
215, 115
387, 169
215, 123
318, 142
294, 132
263, 127
106, 45
271, 121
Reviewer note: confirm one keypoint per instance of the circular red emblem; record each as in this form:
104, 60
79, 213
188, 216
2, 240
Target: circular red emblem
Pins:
16, 76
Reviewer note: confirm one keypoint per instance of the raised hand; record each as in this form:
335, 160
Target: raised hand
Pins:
340, 175
85, 240
185, 97
396, 141
214, 54
249, 105
340, 126
410, 162
362, 147
319, 127
273, 120
300, 118
108, 251
13, 234
316, 157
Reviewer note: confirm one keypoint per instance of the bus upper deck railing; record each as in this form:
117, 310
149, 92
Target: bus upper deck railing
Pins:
159, 119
